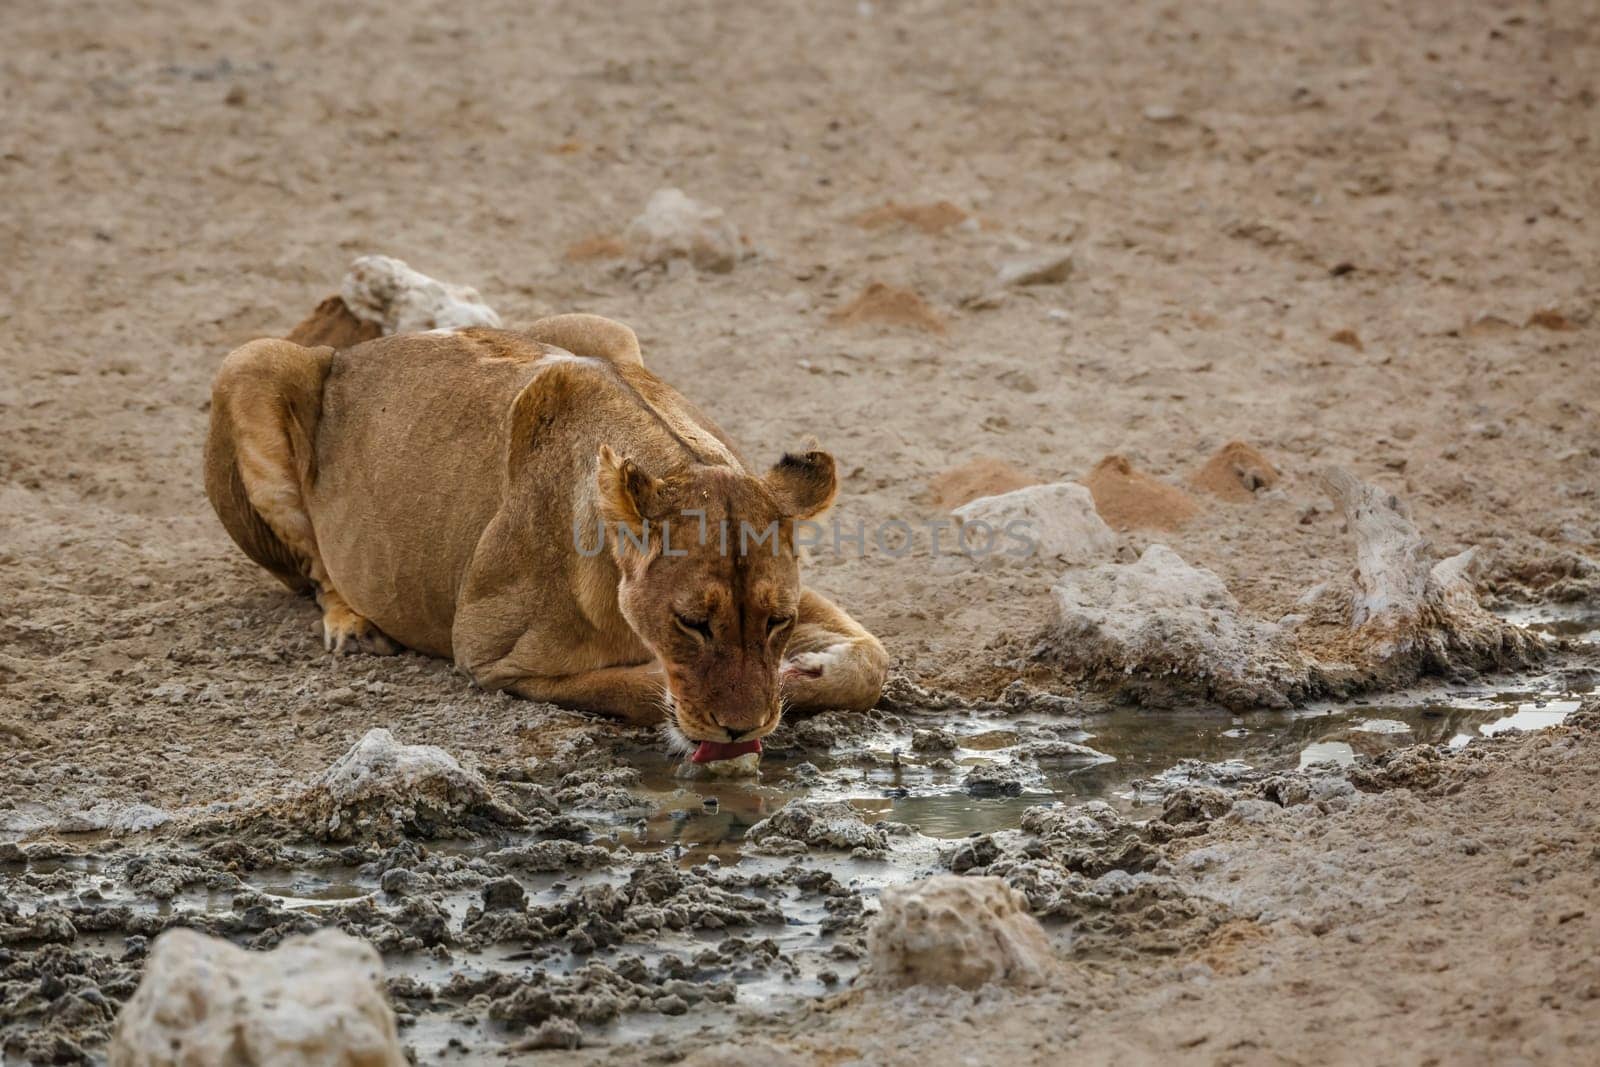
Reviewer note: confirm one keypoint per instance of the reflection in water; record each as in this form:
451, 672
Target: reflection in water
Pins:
1580, 624
1336, 752
1538, 715
1382, 726
884, 778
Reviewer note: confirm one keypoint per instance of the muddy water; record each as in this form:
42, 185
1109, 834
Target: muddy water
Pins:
1580, 624
1143, 756
1128, 758
1142, 751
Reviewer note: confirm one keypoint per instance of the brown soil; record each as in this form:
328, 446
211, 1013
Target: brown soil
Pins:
1551, 319
978, 477
1129, 499
890, 306
600, 246
333, 324
929, 218
1236, 472
159, 233
1348, 337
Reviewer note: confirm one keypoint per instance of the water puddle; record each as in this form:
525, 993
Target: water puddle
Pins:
919, 776
883, 777
1580, 623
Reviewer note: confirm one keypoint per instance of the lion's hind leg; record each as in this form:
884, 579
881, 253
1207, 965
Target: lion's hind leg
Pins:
343, 629
259, 458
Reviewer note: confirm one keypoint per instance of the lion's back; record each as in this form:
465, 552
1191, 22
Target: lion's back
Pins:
410, 449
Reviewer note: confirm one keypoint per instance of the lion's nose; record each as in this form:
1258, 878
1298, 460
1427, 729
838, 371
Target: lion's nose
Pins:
743, 726
733, 724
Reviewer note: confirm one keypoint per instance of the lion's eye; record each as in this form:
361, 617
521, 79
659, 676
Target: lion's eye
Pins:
700, 628
778, 622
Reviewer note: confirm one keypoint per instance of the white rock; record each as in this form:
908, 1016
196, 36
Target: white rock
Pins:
1177, 624
745, 766
674, 227
315, 1001
1049, 266
819, 823
26, 820
388, 292
952, 930
380, 784
1405, 604
379, 766
1059, 519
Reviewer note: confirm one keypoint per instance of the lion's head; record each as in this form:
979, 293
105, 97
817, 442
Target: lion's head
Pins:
710, 582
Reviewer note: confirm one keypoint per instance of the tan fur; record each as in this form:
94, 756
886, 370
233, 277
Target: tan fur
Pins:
587, 335
428, 487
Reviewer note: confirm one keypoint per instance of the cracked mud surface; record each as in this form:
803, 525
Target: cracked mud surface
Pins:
619, 906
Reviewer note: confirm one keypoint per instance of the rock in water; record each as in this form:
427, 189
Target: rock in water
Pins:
1058, 520
386, 291
1161, 631
950, 930
503, 894
315, 1001
747, 765
1172, 631
818, 823
672, 226
381, 787
993, 780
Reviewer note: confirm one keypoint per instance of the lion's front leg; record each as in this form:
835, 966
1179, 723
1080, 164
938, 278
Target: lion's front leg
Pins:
635, 694
501, 645
831, 661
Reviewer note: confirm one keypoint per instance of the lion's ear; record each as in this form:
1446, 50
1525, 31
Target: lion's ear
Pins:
804, 483
627, 494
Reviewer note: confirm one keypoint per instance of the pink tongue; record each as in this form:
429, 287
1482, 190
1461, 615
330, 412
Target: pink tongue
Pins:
715, 751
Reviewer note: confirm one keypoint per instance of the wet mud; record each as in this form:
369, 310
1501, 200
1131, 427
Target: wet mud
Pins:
621, 898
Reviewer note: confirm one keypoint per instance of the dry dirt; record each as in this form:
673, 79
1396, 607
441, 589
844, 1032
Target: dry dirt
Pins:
1246, 193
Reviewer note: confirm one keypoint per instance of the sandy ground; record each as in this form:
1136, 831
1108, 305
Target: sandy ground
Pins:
1239, 191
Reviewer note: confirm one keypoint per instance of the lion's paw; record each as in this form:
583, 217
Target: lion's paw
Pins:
812, 664
345, 631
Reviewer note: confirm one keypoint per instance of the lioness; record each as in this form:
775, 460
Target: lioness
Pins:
445, 491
